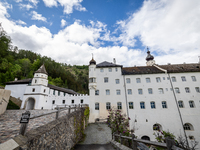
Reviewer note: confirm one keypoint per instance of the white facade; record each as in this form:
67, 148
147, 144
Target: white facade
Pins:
156, 96
37, 94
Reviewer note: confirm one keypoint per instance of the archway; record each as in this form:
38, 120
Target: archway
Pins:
145, 138
30, 104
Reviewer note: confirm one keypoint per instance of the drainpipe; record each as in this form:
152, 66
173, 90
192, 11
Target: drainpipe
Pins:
178, 109
126, 96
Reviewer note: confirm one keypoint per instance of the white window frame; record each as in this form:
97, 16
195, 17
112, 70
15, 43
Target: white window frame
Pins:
160, 91
138, 80
119, 105
183, 78
118, 92
108, 105
128, 80
130, 104
180, 104
110, 69
153, 105
106, 80
148, 80
150, 90
197, 89
158, 79
101, 70
177, 90
96, 92
142, 105
191, 104
187, 90
140, 92
194, 78
117, 81
96, 106
107, 92
173, 79
164, 104
129, 91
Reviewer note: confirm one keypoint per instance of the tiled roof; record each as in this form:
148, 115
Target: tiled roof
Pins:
140, 70
107, 64
175, 68
69, 91
24, 81
42, 70
27, 81
178, 68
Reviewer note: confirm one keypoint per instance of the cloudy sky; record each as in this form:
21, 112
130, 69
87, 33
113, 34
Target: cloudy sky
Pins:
69, 31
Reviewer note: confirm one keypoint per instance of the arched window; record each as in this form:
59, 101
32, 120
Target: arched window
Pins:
153, 105
157, 127
145, 138
188, 126
191, 103
142, 105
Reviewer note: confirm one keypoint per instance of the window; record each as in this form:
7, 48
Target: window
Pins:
180, 104
63, 101
191, 103
96, 106
160, 91
187, 90
118, 92
53, 102
107, 92
119, 105
150, 91
110, 69
129, 92
157, 127
72, 101
158, 79
54, 92
183, 78
148, 80
81, 101
58, 93
107, 105
64, 94
117, 81
106, 80
101, 70
116, 69
92, 80
153, 105
167, 78
128, 80
130, 105
142, 105
188, 126
164, 104
197, 89
173, 79
33, 90
193, 78
177, 90
96, 92
138, 80
35, 81
140, 91
163, 78
44, 90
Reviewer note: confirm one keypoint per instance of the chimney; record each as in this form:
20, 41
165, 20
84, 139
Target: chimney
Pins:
16, 79
114, 60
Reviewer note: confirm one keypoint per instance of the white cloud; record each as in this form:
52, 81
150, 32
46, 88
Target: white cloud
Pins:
21, 22
17, 1
35, 2
63, 23
25, 6
68, 5
36, 16
165, 26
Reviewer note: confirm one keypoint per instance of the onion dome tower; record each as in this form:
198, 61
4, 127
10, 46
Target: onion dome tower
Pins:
150, 59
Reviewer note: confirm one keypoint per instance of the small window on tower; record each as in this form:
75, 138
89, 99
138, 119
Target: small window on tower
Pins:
35, 81
33, 90
44, 90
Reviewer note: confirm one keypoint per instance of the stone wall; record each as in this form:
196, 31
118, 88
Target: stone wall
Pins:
4, 99
62, 133
17, 101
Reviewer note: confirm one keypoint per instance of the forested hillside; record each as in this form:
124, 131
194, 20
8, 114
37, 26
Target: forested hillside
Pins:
22, 64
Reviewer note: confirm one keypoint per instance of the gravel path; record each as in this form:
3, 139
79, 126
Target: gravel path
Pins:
97, 133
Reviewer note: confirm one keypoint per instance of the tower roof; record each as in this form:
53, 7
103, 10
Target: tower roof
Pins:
42, 70
149, 56
92, 61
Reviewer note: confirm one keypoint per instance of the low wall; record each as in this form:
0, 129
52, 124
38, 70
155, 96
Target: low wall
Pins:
62, 133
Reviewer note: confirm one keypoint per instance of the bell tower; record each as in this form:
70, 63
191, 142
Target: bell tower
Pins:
150, 59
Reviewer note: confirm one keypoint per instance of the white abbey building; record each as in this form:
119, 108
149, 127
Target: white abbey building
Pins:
155, 96
36, 93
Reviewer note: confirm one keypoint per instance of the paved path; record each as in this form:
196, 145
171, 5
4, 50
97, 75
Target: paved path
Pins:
94, 147
9, 122
97, 133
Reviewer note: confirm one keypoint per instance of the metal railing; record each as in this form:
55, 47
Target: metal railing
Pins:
170, 143
26, 116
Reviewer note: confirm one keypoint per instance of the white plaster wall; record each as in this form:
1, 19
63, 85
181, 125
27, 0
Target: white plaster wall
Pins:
17, 90
40, 79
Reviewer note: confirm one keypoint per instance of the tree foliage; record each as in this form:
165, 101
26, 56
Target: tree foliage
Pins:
21, 64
